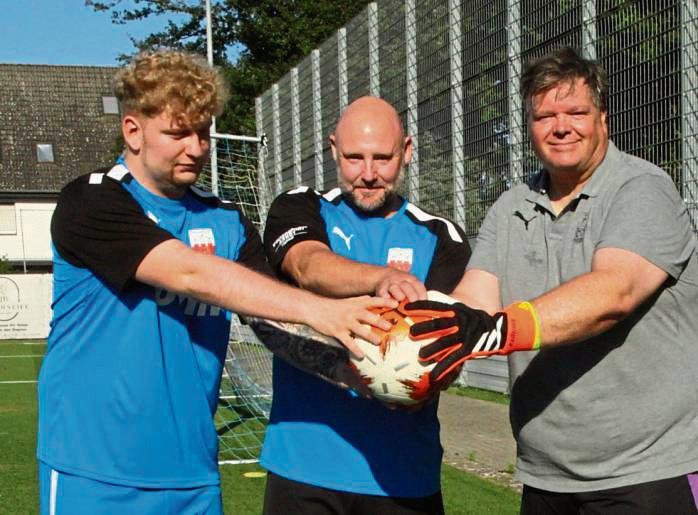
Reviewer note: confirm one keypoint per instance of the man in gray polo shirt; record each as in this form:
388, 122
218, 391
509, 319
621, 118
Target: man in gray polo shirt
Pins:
605, 407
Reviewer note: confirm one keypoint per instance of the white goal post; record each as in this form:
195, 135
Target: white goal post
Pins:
236, 173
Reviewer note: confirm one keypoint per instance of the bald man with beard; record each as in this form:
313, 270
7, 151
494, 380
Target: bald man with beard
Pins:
327, 450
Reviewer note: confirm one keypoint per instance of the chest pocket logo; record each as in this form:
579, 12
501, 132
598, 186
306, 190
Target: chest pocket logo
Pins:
347, 239
581, 229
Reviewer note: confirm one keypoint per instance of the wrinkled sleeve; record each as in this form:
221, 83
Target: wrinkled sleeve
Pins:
649, 218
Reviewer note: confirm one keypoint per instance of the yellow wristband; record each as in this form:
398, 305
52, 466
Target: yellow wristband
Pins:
523, 328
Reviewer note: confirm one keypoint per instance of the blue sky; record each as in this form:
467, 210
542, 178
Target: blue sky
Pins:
65, 32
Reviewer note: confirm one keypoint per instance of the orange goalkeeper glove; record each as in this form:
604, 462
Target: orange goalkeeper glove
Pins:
464, 333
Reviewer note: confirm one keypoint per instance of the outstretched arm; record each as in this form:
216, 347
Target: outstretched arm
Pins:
99, 226
619, 282
313, 266
214, 280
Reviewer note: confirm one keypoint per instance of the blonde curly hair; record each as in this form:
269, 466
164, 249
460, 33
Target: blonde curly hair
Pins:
172, 81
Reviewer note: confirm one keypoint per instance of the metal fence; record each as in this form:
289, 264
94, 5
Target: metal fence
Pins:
452, 69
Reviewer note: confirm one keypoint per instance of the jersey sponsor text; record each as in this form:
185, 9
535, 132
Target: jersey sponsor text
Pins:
192, 307
286, 237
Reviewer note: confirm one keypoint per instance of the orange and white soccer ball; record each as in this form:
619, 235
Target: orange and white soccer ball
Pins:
392, 370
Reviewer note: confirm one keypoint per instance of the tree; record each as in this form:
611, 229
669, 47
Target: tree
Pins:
5, 266
273, 36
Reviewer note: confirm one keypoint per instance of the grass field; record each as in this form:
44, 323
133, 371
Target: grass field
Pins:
479, 393
464, 494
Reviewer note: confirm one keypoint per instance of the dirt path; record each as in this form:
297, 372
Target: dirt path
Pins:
476, 437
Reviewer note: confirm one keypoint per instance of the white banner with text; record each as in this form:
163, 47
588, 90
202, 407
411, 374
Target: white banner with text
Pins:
25, 306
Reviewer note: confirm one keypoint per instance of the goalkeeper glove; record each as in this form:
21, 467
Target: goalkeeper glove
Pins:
464, 333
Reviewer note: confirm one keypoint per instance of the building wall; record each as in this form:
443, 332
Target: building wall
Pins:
25, 235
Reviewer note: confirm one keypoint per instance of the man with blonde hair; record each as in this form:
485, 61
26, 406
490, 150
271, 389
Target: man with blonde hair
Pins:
147, 270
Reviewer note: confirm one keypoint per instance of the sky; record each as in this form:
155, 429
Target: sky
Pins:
65, 32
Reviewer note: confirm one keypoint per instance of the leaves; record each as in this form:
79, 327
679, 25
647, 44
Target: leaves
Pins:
273, 36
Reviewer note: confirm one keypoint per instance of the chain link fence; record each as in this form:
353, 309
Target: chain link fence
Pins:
452, 68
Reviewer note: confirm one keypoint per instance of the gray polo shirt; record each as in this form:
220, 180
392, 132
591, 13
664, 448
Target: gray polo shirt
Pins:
620, 408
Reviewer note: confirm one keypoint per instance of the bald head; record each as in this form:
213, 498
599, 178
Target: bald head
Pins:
370, 115
370, 149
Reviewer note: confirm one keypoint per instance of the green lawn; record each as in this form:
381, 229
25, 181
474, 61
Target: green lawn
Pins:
479, 393
464, 494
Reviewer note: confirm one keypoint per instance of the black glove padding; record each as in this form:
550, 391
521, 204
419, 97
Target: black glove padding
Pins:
457, 328
310, 351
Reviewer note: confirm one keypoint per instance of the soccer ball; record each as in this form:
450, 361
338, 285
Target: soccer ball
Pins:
392, 370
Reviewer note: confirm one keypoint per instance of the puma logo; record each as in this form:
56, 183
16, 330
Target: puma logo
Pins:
347, 239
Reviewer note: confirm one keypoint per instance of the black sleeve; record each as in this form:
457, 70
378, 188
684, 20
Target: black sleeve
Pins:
101, 227
251, 253
293, 217
450, 258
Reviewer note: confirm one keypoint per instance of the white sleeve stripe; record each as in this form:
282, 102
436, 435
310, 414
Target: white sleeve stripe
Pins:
96, 178
425, 217
53, 491
299, 189
118, 172
332, 194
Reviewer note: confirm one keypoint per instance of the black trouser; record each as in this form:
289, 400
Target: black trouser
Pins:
671, 496
286, 497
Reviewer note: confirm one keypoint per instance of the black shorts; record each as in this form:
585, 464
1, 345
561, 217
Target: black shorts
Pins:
286, 497
671, 496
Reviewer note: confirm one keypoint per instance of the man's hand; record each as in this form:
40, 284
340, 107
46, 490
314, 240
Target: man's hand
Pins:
464, 333
400, 286
345, 318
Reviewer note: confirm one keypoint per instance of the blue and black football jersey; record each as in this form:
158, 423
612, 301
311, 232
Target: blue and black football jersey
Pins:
324, 436
129, 384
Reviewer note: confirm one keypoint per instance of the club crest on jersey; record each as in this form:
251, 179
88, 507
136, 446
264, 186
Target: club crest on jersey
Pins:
202, 240
400, 259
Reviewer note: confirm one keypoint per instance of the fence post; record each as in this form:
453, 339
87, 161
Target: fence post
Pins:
342, 68
689, 107
296, 128
277, 139
457, 130
262, 182
456, 72
412, 98
317, 121
516, 122
373, 50
589, 28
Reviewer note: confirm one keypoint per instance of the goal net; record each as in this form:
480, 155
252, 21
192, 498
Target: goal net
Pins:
235, 173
